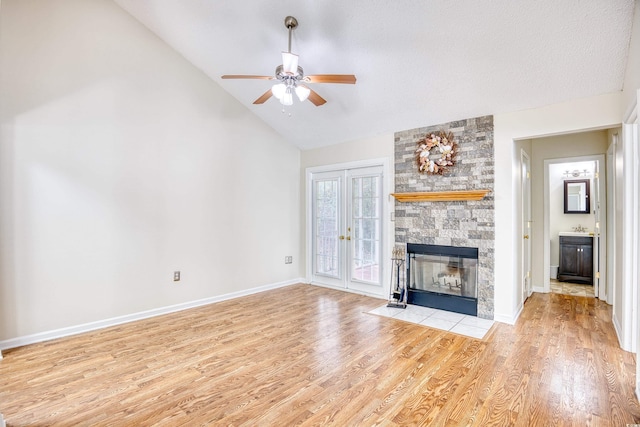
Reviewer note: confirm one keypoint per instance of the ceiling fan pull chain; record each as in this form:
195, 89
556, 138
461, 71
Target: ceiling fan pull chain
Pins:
285, 112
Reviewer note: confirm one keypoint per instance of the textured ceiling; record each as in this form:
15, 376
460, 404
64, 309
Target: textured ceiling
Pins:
417, 63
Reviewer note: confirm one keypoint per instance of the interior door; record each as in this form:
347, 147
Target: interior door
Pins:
525, 163
347, 229
595, 199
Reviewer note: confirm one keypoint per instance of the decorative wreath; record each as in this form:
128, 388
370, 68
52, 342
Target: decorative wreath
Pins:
436, 152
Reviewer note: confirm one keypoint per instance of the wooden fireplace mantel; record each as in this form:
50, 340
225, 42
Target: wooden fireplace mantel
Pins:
441, 196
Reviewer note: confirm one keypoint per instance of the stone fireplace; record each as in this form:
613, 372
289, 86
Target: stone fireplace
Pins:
459, 223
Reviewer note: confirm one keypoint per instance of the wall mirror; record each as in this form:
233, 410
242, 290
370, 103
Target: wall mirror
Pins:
576, 196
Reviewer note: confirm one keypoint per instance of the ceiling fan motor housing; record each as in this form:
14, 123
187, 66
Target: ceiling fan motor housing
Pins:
283, 75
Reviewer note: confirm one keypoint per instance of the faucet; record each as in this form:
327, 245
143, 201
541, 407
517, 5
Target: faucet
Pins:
579, 229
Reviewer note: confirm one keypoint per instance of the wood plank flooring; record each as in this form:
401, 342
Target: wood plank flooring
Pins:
304, 355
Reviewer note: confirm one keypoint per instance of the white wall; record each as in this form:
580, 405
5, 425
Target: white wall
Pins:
377, 147
597, 112
120, 163
632, 73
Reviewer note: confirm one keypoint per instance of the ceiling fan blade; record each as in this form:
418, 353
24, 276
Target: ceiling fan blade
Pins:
331, 78
243, 76
315, 98
268, 94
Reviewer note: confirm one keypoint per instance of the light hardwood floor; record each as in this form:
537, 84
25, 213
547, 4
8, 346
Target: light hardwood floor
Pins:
312, 356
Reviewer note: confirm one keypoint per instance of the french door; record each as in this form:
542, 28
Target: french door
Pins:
346, 215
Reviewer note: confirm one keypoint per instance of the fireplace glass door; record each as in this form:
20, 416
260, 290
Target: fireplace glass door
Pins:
347, 229
452, 275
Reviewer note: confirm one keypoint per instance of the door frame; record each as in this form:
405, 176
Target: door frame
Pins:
527, 255
387, 239
611, 225
604, 251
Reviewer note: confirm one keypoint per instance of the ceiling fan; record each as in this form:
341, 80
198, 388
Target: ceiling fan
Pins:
291, 78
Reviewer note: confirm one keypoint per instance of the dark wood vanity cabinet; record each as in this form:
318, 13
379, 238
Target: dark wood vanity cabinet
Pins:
576, 259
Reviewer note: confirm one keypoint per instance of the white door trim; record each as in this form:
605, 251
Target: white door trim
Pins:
611, 220
635, 118
630, 230
629, 328
600, 158
525, 220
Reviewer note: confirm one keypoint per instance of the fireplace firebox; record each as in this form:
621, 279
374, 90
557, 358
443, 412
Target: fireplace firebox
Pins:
443, 277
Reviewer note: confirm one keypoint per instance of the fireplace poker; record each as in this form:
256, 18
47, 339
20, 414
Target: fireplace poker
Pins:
398, 296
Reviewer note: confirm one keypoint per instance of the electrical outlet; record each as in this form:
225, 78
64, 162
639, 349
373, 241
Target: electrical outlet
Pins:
288, 259
176, 276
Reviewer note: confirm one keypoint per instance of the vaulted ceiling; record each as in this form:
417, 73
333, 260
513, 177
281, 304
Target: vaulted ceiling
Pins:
417, 62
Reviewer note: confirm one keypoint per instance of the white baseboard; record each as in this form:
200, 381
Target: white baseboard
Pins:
100, 324
616, 327
2, 423
353, 291
510, 320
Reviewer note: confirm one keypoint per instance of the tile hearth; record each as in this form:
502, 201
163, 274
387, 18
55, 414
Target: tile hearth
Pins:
462, 324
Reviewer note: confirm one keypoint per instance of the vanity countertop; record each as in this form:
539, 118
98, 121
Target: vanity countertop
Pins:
576, 233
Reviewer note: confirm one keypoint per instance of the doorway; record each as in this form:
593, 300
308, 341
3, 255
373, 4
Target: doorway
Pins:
345, 234
564, 253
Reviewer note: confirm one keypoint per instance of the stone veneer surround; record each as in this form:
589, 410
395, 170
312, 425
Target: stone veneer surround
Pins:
457, 223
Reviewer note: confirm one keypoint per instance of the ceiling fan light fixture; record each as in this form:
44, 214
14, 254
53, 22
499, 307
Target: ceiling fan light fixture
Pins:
287, 98
302, 92
278, 90
290, 63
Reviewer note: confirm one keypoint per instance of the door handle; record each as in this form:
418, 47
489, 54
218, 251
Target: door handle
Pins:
526, 236
348, 237
341, 237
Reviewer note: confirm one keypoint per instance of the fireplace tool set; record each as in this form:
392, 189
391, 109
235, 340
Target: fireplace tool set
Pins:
398, 295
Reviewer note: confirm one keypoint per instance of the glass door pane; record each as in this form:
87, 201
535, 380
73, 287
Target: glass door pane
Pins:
364, 230
326, 227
